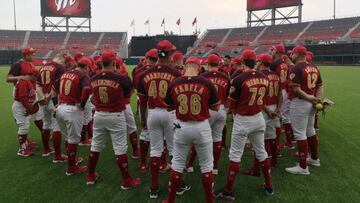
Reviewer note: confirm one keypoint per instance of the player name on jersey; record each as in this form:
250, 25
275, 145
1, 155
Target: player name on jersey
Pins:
189, 88
108, 83
160, 76
257, 81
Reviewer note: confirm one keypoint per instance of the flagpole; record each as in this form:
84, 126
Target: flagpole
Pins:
180, 26
134, 29
149, 28
164, 27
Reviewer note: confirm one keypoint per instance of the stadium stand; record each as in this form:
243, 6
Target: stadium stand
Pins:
49, 43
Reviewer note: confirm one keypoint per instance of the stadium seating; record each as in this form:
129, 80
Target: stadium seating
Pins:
242, 36
11, 39
213, 37
281, 33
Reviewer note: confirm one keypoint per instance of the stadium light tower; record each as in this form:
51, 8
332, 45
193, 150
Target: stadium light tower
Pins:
14, 14
334, 9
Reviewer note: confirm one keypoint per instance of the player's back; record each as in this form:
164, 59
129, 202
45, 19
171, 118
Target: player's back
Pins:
221, 83
70, 87
109, 90
192, 97
25, 89
281, 69
274, 87
154, 83
248, 91
49, 73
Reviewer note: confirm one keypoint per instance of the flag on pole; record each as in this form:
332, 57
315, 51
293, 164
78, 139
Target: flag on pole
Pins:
163, 22
178, 22
132, 23
194, 21
147, 22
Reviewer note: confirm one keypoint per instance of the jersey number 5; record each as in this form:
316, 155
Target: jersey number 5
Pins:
103, 95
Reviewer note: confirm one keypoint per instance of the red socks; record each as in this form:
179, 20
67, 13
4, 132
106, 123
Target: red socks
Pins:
191, 158
154, 172
303, 150
45, 135
265, 166
313, 145
122, 162
57, 143
39, 125
208, 185
93, 159
144, 147
289, 133
216, 153
71, 152
224, 137
234, 169
134, 141
22, 141
175, 182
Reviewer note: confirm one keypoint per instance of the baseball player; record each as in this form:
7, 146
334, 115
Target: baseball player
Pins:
109, 92
247, 101
19, 71
178, 61
152, 88
310, 59
281, 68
227, 65
217, 118
69, 62
24, 105
49, 74
73, 91
129, 115
305, 80
192, 96
151, 58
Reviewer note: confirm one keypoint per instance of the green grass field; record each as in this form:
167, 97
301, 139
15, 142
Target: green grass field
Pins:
36, 179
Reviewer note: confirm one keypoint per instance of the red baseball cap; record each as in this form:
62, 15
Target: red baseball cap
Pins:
86, 61
279, 48
177, 55
265, 58
152, 53
28, 51
108, 56
237, 60
119, 61
299, 50
165, 46
309, 56
248, 54
69, 58
78, 56
213, 59
97, 57
285, 57
193, 59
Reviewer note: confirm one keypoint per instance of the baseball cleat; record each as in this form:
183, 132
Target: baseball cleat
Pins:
154, 194
298, 170
222, 194
287, 146
136, 154
24, 152
313, 162
142, 168
184, 187
92, 178
86, 142
215, 171
250, 172
78, 160
47, 152
76, 170
62, 158
164, 168
190, 169
269, 191
130, 183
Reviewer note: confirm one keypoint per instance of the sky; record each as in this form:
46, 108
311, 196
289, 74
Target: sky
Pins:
117, 15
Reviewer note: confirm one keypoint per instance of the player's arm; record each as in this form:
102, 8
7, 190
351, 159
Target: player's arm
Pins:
303, 95
234, 95
14, 74
143, 102
85, 91
279, 102
319, 88
214, 102
168, 99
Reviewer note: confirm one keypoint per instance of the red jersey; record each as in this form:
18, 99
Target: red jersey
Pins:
306, 76
110, 90
274, 87
247, 93
49, 74
137, 73
25, 93
154, 83
221, 83
73, 88
281, 69
236, 73
228, 70
21, 68
121, 72
192, 97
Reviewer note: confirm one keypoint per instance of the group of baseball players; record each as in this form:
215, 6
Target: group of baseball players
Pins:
183, 106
